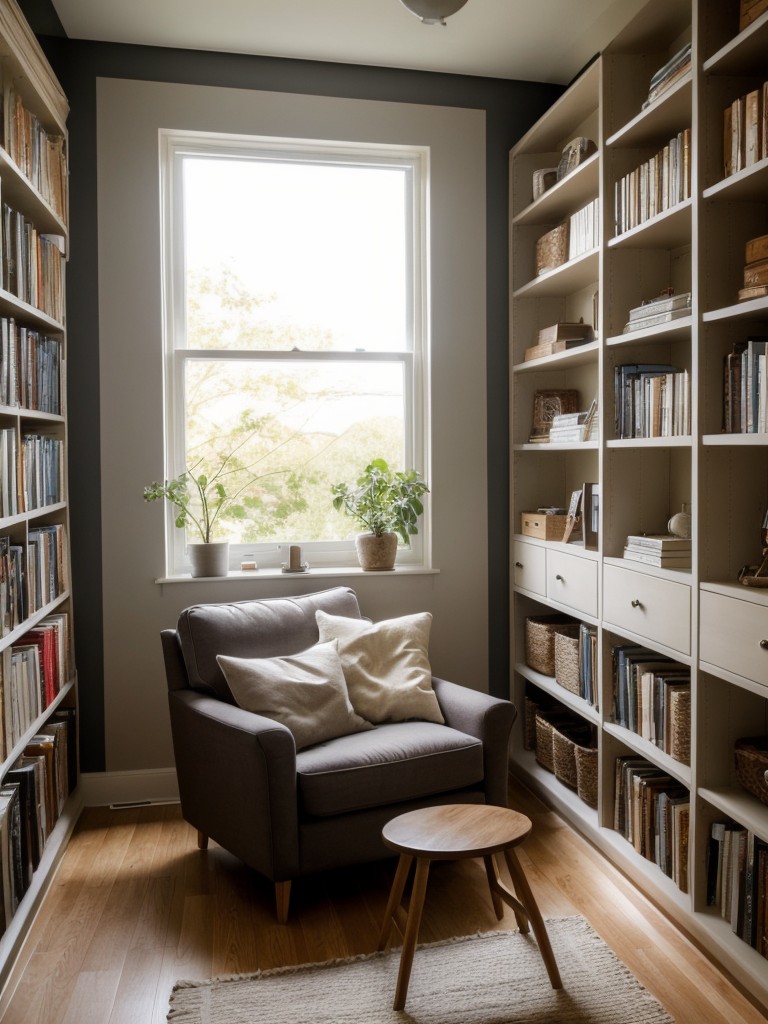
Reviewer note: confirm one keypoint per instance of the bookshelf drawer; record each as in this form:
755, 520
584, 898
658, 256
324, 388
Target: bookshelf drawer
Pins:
657, 609
529, 563
732, 632
572, 580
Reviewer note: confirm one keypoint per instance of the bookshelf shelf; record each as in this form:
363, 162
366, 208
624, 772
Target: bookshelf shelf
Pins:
38, 687
701, 618
569, 194
583, 355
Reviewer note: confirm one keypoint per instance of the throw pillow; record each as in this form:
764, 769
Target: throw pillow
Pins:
386, 665
305, 691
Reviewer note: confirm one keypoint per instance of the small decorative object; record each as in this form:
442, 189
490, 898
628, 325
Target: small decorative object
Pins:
575, 153
294, 563
248, 563
546, 524
543, 179
547, 405
680, 523
757, 575
388, 504
574, 523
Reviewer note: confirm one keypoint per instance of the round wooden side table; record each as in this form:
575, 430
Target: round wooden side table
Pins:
457, 832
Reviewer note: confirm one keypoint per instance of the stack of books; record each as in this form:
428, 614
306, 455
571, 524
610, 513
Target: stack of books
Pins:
677, 67
584, 230
656, 185
571, 427
652, 400
660, 550
659, 311
559, 337
745, 130
652, 812
745, 387
755, 269
737, 882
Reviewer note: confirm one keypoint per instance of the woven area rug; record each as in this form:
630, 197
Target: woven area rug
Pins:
491, 978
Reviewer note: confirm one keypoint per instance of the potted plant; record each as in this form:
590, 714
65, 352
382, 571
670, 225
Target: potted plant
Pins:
388, 504
201, 501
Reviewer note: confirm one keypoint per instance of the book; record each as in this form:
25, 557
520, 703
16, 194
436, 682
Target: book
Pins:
654, 319
681, 560
664, 304
548, 348
756, 273
756, 248
752, 128
658, 542
758, 291
565, 331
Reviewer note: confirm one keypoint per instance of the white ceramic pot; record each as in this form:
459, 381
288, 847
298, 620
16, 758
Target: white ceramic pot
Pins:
376, 554
209, 559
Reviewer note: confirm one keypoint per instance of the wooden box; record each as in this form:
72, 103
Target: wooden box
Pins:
552, 249
536, 524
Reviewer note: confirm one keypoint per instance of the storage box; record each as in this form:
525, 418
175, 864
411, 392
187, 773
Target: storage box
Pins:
552, 249
751, 756
540, 639
537, 524
567, 662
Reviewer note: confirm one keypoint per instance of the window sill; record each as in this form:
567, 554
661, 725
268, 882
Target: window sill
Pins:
322, 572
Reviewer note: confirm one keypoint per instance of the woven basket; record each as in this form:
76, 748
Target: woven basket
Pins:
544, 753
540, 640
567, 662
586, 774
751, 756
680, 726
529, 724
564, 758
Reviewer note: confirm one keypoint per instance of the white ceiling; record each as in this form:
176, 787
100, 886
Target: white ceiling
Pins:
535, 40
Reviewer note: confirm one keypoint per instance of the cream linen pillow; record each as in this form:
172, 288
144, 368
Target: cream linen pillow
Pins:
386, 665
304, 691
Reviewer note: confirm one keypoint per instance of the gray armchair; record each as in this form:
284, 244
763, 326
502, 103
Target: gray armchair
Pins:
288, 814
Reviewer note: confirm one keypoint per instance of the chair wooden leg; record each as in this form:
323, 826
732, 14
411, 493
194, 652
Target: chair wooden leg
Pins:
282, 901
523, 890
493, 880
411, 931
395, 897
202, 840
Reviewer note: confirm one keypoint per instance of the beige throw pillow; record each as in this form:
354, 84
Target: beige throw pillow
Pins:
306, 692
386, 665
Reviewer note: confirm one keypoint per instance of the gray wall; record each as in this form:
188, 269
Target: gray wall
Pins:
511, 107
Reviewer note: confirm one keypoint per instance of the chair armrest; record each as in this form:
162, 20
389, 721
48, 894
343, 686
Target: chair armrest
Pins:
237, 780
490, 719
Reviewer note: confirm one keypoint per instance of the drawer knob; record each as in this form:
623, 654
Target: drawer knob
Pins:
518, 565
637, 604
559, 578
764, 644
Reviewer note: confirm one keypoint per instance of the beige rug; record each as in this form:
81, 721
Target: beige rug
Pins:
492, 978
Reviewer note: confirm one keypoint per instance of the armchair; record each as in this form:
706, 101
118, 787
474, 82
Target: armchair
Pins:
286, 813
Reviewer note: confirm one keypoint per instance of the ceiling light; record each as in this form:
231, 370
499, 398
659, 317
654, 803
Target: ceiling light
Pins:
433, 12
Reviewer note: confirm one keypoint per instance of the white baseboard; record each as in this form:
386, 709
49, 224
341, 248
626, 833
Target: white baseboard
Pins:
155, 785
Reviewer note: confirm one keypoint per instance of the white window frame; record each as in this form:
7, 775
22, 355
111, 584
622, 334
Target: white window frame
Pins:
174, 147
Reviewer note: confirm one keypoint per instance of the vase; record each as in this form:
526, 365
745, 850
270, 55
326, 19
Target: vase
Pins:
210, 559
376, 553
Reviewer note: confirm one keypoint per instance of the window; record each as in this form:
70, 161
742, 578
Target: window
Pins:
295, 331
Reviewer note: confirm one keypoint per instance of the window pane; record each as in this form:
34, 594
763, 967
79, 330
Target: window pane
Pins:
296, 428
282, 254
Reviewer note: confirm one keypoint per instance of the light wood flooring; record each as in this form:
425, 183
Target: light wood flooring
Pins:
136, 906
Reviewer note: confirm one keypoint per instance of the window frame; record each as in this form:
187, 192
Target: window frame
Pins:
175, 146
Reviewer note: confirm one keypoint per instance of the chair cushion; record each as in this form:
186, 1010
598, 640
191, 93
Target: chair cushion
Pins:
386, 665
392, 764
252, 629
305, 691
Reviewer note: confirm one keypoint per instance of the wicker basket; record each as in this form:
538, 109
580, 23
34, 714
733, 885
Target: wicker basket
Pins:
564, 758
540, 640
586, 774
529, 724
552, 249
544, 742
567, 662
751, 756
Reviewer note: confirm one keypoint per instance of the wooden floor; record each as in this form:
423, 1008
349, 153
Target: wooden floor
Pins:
136, 906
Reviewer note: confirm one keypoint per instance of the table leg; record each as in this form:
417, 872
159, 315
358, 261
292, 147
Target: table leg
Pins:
395, 897
411, 931
493, 881
523, 890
